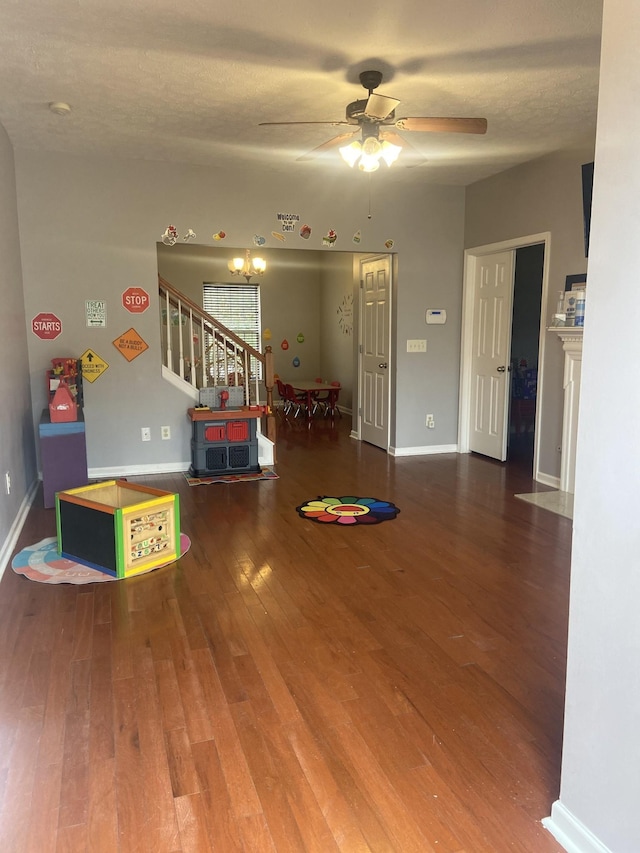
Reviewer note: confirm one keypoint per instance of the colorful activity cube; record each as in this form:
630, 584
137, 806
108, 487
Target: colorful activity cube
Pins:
118, 527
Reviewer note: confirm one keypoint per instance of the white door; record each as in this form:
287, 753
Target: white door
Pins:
490, 365
375, 342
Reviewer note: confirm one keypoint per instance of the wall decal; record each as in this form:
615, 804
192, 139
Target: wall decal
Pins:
266, 335
284, 344
296, 362
259, 240
96, 312
130, 344
345, 314
305, 232
135, 300
219, 235
388, 244
170, 236
300, 338
190, 235
329, 238
288, 220
278, 236
92, 365
46, 326
357, 237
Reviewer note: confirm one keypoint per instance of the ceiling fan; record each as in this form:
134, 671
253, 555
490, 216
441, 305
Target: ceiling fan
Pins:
375, 121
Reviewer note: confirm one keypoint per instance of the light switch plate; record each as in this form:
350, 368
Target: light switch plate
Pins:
416, 346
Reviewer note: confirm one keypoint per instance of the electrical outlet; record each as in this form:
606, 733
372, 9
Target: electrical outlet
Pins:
145, 432
416, 346
165, 433
430, 422
7, 483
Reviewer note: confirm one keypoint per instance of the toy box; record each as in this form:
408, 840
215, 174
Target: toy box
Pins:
118, 527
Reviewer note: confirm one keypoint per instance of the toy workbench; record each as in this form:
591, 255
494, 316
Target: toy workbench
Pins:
118, 527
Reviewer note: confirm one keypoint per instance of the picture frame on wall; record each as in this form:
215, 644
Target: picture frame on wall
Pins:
576, 282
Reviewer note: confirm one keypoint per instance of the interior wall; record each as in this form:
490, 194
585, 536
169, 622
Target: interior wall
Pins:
600, 786
540, 196
90, 227
337, 328
17, 451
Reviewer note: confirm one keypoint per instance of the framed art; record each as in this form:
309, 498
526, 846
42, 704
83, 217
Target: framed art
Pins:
576, 282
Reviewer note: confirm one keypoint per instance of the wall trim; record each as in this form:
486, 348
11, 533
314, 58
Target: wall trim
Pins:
571, 832
548, 480
427, 450
16, 528
135, 470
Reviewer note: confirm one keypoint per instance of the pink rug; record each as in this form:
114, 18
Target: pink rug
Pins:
42, 563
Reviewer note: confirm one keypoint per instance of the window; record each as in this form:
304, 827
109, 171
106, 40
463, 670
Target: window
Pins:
237, 306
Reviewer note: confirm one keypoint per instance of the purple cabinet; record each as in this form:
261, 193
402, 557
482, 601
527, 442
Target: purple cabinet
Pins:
63, 456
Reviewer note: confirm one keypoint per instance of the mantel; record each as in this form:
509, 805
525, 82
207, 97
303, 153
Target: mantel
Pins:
572, 334
571, 337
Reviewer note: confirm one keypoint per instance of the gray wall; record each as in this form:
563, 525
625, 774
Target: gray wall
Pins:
17, 448
600, 786
90, 228
544, 195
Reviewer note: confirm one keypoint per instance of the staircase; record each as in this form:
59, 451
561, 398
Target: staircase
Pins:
200, 352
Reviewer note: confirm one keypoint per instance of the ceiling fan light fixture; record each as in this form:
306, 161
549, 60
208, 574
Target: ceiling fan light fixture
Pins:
390, 152
351, 153
368, 163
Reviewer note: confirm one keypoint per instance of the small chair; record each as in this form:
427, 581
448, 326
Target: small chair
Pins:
332, 404
294, 401
320, 400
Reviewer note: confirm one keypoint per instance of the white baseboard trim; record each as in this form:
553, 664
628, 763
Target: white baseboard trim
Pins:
423, 451
10, 542
138, 470
547, 480
571, 832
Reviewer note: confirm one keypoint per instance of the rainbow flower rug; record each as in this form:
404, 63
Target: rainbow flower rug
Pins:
348, 510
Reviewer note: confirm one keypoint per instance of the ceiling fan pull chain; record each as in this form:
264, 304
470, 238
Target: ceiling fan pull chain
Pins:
369, 214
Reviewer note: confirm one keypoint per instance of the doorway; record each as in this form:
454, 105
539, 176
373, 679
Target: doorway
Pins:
525, 348
494, 377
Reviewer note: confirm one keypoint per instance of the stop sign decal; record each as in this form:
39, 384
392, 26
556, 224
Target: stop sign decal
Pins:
46, 326
135, 300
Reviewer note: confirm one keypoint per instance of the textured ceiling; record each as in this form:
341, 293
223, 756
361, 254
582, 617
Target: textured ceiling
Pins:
191, 81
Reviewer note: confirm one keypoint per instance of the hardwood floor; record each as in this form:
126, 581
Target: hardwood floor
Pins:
292, 686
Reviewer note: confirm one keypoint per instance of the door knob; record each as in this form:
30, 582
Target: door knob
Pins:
384, 364
501, 369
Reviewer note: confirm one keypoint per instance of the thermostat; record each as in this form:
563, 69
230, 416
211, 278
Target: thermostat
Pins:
436, 316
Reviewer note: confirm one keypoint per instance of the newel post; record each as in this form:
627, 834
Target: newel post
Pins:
269, 382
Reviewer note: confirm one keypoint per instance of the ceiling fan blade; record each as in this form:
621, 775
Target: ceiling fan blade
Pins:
278, 123
327, 146
443, 125
380, 106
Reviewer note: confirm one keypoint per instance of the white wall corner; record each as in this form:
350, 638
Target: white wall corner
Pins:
572, 833
10, 542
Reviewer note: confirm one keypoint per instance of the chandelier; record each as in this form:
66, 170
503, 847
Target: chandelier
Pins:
247, 266
369, 152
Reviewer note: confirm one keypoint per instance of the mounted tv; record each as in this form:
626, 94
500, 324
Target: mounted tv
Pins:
587, 191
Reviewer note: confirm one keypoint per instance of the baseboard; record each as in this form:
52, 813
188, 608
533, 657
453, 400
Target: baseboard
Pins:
138, 470
423, 451
547, 480
572, 833
10, 542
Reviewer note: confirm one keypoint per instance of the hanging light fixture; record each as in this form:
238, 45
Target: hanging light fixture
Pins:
369, 153
247, 266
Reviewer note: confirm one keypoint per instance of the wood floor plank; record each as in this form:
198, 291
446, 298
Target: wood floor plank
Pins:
294, 686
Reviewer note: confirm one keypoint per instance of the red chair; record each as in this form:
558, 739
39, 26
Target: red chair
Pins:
332, 405
294, 401
320, 400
